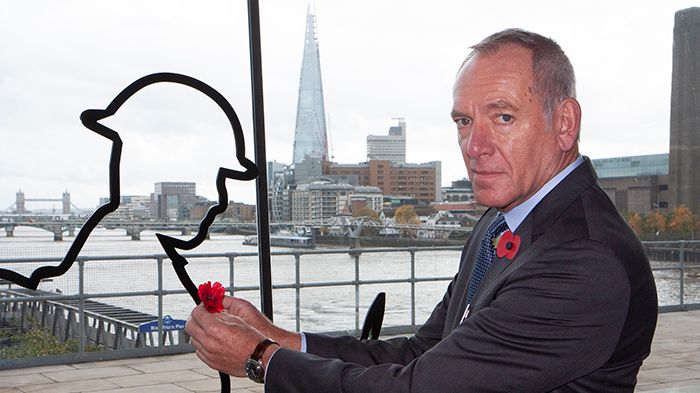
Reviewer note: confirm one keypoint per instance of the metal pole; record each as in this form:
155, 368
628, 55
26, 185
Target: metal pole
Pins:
161, 338
681, 256
297, 290
81, 312
357, 293
413, 289
260, 160
230, 275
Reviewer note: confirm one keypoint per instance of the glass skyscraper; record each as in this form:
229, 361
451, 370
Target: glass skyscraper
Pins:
310, 132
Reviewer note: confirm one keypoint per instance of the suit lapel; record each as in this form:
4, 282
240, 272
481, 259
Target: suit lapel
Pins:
459, 301
533, 231
499, 265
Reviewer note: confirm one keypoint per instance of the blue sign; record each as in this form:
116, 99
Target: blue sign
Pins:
168, 324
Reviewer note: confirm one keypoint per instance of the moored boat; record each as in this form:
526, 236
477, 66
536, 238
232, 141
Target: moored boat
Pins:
292, 241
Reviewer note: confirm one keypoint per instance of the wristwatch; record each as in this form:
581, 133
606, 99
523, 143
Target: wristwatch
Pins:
253, 366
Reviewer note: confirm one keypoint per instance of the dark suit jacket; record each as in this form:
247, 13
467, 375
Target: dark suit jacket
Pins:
574, 311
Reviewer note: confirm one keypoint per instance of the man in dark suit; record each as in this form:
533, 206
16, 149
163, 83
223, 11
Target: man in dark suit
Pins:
553, 294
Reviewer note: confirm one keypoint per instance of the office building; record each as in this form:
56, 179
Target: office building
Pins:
274, 170
460, 191
391, 147
635, 183
366, 196
420, 181
323, 197
319, 200
173, 200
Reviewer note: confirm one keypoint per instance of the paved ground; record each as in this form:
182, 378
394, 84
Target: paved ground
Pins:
673, 367
674, 364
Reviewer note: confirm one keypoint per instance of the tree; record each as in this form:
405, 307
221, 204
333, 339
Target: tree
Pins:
635, 222
373, 216
406, 214
682, 220
655, 222
366, 212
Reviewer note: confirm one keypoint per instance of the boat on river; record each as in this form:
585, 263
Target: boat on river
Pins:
292, 241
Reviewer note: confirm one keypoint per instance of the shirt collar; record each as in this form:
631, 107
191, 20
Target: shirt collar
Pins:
516, 215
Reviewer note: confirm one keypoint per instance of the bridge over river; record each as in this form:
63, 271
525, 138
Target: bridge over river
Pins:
341, 225
60, 226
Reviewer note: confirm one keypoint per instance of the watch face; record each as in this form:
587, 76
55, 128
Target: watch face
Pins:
254, 370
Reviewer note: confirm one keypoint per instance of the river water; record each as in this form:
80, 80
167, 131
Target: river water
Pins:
321, 308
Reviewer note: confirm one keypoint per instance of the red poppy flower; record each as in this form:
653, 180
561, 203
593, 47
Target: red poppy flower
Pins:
508, 245
212, 296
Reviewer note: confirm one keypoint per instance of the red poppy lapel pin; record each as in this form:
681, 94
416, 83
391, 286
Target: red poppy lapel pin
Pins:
212, 296
507, 245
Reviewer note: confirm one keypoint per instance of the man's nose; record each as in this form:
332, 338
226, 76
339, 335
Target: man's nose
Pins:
480, 140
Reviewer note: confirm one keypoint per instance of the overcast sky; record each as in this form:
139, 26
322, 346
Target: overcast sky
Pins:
380, 60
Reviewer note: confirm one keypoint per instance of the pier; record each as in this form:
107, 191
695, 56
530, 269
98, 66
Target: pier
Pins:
106, 326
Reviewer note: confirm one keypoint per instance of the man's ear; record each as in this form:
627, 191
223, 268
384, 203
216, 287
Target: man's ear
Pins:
568, 123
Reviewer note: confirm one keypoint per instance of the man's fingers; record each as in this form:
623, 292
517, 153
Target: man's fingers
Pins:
193, 327
196, 343
201, 352
205, 355
198, 313
228, 319
237, 306
199, 338
202, 355
203, 318
223, 341
228, 301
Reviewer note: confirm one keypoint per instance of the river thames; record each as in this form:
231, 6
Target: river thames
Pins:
321, 308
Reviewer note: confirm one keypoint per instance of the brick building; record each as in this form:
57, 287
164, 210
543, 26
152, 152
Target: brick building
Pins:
421, 181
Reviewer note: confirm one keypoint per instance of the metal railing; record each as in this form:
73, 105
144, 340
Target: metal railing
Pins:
672, 256
11, 296
682, 256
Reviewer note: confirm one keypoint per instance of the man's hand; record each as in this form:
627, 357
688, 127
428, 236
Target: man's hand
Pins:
246, 311
223, 341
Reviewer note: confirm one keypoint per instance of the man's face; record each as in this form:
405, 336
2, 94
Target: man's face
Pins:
508, 146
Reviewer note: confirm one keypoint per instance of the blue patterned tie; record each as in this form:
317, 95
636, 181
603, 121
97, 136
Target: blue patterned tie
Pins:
486, 255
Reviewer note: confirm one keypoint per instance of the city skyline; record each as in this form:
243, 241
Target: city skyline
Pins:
396, 62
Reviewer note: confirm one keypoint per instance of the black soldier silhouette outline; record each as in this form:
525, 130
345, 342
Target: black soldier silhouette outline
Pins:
91, 119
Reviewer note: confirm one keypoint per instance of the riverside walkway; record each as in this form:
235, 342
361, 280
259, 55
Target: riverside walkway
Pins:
673, 367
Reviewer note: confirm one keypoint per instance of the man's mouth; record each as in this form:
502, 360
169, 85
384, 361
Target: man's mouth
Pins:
485, 173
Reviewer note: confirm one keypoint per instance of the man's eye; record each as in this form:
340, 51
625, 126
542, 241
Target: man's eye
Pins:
464, 121
505, 118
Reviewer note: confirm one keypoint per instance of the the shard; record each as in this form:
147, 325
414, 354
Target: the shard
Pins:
310, 131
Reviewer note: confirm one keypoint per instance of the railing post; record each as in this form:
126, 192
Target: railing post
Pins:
161, 337
297, 290
357, 292
681, 256
81, 309
413, 289
230, 274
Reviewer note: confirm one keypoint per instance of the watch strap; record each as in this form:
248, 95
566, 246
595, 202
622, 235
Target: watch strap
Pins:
261, 347
254, 365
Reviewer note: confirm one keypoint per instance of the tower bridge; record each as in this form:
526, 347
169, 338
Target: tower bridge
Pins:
20, 205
